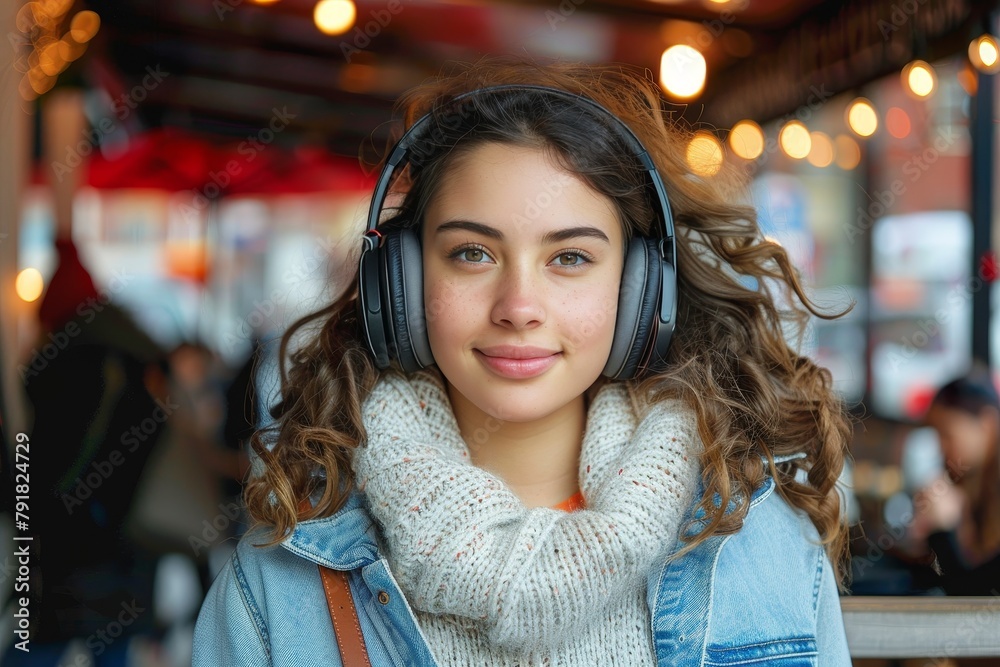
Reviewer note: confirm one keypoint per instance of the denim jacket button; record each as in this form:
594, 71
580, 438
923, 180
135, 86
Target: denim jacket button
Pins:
383, 597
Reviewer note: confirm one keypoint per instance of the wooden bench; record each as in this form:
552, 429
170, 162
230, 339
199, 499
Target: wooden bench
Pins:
922, 627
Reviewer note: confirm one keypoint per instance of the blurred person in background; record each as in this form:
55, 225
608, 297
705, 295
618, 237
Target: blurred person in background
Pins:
958, 515
97, 387
183, 487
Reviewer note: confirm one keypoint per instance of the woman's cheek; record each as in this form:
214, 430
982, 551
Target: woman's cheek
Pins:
593, 326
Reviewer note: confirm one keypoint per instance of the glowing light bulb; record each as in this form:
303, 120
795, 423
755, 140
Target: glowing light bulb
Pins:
682, 71
704, 154
794, 139
84, 26
861, 117
747, 140
40, 82
968, 78
821, 151
848, 152
28, 284
334, 17
49, 59
984, 54
897, 122
919, 79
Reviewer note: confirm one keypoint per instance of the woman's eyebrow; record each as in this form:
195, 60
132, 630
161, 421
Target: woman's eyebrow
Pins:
556, 236
469, 226
560, 235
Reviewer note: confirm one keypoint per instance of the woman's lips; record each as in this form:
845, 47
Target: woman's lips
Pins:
518, 368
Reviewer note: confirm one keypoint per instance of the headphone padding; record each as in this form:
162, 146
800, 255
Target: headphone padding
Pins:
405, 292
413, 278
638, 303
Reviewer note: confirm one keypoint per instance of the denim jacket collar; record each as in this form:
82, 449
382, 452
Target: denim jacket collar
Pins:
343, 541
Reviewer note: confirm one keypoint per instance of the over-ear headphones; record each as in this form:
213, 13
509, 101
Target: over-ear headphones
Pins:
390, 274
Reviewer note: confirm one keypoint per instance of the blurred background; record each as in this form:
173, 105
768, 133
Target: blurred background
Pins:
181, 180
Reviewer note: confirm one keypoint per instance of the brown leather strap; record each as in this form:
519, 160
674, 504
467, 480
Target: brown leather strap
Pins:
345, 618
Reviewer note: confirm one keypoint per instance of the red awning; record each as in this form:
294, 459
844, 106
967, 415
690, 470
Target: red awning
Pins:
170, 159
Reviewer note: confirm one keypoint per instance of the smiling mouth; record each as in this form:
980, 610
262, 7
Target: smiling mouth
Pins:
518, 367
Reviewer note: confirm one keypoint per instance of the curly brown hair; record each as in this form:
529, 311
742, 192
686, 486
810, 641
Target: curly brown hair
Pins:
754, 396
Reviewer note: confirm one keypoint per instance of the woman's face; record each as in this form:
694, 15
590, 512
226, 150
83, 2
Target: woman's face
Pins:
522, 264
967, 440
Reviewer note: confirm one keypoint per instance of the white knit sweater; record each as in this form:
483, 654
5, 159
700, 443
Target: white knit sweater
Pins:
493, 582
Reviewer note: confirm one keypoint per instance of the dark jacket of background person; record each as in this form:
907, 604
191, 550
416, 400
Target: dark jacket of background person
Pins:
95, 422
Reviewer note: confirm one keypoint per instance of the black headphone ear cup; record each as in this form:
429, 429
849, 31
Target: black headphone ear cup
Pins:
404, 276
668, 306
638, 304
371, 310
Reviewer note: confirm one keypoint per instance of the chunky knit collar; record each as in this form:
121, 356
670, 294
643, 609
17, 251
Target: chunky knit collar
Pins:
460, 542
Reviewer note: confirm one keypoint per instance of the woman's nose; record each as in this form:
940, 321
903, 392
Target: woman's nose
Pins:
519, 299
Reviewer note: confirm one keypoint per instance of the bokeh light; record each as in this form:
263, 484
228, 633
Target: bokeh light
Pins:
70, 49
861, 117
984, 54
919, 79
29, 284
335, 17
897, 122
84, 26
682, 71
848, 152
704, 154
794, 139
968, 79
747, 140
49, 59
40, 82
821, 150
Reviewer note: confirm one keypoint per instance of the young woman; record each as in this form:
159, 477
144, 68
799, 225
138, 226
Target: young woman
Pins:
524, 437
960, 517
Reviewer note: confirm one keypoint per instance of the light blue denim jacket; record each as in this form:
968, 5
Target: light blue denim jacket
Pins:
765, 595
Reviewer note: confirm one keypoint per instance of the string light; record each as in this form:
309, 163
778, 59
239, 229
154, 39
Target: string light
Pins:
682, 71
897, 121
919, 79
861, 117
52, 51
968, 79
84, 26
794, 139
334, 17
747, 140
28, 284
821, 151
704, 154
984, 54
848, 152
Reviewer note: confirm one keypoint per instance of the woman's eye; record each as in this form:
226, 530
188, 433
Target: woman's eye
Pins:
570, 259
470, 255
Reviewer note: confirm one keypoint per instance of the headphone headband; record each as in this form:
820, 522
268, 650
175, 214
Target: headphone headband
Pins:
400, 154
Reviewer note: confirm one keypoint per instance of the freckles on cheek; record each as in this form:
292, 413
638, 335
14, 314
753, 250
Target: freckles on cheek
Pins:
451, 306
590, 322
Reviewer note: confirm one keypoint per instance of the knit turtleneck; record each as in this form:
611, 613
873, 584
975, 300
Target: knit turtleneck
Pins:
493, 582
